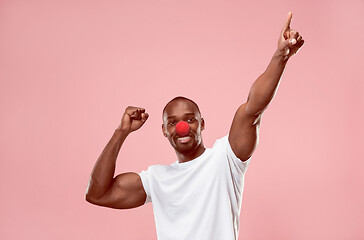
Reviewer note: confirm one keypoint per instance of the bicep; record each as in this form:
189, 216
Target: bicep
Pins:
126, 191
244, 133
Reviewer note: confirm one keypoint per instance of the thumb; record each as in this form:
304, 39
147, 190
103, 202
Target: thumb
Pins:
144, 117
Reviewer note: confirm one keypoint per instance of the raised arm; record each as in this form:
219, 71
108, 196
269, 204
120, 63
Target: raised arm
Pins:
244, 131
125, 190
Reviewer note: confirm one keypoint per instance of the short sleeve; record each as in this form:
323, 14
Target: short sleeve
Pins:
144, 176
234, 161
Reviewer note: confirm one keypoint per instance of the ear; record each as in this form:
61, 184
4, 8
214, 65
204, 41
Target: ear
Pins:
164, 130
202, 124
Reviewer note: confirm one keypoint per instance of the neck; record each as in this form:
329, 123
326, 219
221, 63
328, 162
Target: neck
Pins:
185, 157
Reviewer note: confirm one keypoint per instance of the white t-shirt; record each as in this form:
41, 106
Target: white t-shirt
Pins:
199, 199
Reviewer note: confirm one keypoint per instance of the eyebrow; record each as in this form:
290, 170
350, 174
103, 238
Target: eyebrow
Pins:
184, 115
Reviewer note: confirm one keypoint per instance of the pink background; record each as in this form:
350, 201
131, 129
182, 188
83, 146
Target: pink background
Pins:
68, 70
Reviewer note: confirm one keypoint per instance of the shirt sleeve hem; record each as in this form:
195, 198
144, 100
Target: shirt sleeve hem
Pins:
231, 153
145, 186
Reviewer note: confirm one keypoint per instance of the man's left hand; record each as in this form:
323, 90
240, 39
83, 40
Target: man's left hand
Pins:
290, 41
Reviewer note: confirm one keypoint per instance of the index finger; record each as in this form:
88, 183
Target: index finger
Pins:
288, 22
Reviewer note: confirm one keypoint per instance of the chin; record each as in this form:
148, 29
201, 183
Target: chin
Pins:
184, 151
187, 148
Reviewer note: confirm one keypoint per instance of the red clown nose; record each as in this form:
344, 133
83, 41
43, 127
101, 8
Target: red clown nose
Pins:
182, 128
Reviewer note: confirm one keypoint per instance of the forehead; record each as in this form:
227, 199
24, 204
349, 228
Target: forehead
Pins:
180, 108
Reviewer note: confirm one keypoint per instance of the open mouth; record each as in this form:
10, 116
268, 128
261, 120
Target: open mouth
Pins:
184, 139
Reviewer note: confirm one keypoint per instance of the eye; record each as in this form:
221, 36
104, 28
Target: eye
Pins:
172, 123
190, 120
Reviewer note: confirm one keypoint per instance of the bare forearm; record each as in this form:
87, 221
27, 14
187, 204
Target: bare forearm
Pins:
265, 87
104, 169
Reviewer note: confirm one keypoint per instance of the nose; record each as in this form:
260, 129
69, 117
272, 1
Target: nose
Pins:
182, 128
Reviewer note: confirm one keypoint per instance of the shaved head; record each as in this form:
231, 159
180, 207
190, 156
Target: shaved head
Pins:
179, 98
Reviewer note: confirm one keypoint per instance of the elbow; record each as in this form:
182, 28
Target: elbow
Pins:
89, 198
256, 105
254, 109
258, 102
91, 194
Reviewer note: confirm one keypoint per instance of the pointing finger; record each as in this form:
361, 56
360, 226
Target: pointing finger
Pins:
288, 22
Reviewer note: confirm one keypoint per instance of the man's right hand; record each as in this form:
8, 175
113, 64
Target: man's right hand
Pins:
133, 119
126, 189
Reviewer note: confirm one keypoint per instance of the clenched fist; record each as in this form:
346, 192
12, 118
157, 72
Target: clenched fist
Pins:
133, 119
290, 41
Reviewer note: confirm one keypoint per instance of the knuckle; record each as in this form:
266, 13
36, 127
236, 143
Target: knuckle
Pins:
129, 108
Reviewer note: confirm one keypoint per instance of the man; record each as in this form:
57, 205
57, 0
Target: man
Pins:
199, 196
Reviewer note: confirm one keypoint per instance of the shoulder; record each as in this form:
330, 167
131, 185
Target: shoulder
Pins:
221, 142
221, 147
224, 145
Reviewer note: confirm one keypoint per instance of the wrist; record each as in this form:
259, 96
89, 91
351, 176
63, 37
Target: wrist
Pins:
121, 132
280, 56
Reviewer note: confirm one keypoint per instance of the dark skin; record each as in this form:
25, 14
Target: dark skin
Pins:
182, 110
126, 189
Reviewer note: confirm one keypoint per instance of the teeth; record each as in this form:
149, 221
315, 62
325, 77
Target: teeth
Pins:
184, 139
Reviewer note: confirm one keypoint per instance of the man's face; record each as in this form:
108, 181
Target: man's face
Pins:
183, 110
